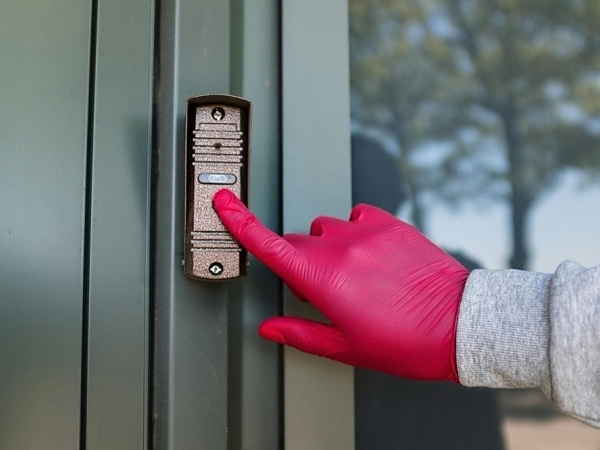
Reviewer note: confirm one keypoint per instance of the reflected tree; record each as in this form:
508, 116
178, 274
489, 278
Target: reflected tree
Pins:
487, 100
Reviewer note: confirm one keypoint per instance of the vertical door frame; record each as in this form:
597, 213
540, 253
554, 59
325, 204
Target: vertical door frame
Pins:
78, 147
116, 310
319, 394
216, 383
190, 318
255, 364
44, 87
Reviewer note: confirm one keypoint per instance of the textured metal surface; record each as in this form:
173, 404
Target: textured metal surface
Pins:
44, 78
217, 149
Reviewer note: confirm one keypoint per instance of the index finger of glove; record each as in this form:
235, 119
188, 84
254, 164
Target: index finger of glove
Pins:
268, 247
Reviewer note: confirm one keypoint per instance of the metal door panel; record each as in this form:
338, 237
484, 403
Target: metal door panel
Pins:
254, 364
217, 382
117, 339
44, 74
319, 394
190, 375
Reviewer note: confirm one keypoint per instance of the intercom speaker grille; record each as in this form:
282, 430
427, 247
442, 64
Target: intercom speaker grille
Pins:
217, 148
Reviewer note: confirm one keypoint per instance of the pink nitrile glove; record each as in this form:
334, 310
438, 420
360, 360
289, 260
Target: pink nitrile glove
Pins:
392, 296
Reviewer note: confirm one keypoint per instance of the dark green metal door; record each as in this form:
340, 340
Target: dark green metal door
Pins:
75, 115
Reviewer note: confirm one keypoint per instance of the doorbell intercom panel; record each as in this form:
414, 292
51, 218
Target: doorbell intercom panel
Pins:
217, 156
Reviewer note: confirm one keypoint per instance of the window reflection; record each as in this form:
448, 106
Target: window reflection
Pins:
478, 121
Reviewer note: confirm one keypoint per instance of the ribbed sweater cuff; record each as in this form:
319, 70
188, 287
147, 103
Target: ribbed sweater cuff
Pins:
503, 330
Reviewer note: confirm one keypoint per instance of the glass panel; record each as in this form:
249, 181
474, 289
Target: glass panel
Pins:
479, 122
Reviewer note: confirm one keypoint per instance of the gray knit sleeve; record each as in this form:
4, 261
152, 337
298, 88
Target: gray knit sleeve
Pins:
524, 329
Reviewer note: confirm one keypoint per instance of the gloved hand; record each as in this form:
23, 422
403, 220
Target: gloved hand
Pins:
391, 295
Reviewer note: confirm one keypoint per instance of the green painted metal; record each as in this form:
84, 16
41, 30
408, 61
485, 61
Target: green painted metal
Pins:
216, 381
254, 364
117, 384
319, 394
190, 340
44, 49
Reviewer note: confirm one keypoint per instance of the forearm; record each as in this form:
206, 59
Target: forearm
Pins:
524, 329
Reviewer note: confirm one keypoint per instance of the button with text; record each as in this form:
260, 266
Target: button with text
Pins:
217, 178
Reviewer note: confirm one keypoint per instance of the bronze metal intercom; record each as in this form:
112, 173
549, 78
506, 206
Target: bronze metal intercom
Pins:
217, 152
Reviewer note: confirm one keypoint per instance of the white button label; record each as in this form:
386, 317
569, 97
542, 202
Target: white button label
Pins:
217, 178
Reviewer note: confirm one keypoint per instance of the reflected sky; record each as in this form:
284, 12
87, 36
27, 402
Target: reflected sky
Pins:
564, 225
